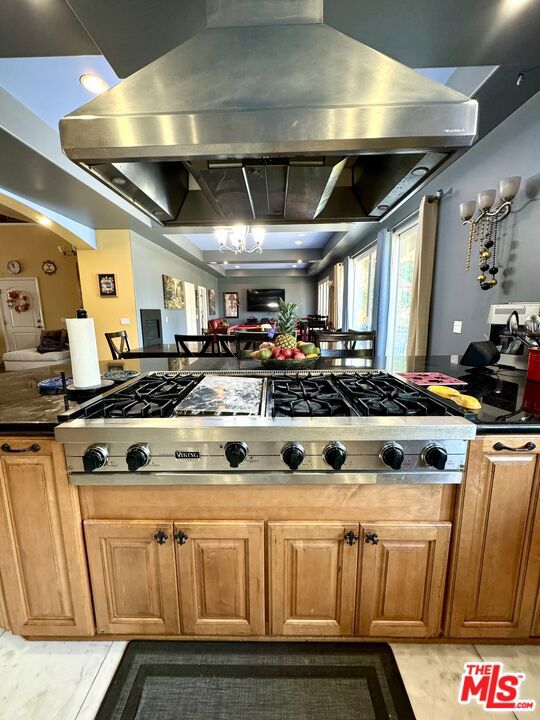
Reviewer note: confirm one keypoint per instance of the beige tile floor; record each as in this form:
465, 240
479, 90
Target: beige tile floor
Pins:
67, 680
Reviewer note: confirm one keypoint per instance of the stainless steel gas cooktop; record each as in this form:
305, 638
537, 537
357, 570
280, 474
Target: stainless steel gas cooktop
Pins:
327, 427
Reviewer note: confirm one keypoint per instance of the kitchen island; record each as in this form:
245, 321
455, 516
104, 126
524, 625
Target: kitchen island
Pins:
357, 561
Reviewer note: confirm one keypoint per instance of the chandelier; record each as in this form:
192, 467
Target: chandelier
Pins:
235, 239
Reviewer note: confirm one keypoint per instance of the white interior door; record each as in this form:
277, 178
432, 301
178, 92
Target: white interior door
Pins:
21, 314
191, 308
203, 308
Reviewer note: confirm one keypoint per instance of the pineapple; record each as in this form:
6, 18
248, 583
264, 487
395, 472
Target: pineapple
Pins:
286, 325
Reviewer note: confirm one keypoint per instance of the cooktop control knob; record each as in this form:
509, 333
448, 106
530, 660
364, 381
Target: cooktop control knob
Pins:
392, 455
435, 456
137, 457
293, 455
335, 455
94, 457
236, 453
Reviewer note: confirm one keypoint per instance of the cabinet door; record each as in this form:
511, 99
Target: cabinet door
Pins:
133, 576
221, 577
497, 551
42, 558
312, 578
402, 579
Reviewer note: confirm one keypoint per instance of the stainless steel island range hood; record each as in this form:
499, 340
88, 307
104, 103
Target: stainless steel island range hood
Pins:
269, 116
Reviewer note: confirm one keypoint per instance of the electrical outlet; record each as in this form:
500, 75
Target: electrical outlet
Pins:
454, 359
458, 324
125, 321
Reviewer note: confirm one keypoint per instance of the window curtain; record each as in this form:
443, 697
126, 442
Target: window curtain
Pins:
338, 291
423, 276
381, 295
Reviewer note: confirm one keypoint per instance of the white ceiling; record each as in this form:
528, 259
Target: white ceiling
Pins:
49, 86
231, 265
272, 240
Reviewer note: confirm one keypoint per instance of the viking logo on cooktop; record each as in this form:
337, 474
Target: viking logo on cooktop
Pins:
187, 455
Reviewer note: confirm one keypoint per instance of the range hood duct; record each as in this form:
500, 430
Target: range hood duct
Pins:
276, 117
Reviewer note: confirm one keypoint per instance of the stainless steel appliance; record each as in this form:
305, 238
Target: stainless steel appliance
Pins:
354, 426
513, 351
269, 114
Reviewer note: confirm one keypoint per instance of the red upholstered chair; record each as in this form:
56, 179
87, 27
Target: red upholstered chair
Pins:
217, 325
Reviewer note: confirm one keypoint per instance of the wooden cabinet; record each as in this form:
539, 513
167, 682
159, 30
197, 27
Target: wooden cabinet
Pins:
402, 579
497, 553
42, 559
221, 577
133, 576
312, 578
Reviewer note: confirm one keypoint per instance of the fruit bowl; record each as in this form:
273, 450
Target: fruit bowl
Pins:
288, 364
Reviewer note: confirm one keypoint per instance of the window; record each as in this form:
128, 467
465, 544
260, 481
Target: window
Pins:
323, 298
403, 257
363, 285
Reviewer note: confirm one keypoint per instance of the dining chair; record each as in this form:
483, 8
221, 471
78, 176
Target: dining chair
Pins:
251, 341
313, 325
205, 345
349, 339
224, 343
117, 350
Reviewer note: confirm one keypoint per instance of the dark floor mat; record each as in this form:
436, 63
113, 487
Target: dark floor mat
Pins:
174, 680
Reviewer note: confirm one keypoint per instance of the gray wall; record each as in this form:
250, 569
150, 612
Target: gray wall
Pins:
301, 290
150, 262
511, 149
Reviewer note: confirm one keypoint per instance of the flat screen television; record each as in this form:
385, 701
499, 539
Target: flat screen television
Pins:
264, 300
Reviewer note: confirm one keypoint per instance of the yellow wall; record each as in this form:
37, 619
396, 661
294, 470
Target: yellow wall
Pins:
113, 255
30, 245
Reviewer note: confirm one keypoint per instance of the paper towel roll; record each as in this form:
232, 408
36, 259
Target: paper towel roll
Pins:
83, 351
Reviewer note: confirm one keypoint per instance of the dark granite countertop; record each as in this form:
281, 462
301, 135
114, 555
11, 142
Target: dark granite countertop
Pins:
502, 392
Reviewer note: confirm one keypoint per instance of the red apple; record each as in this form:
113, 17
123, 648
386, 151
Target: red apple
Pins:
276, 351
299, 356
286, 352
281, 357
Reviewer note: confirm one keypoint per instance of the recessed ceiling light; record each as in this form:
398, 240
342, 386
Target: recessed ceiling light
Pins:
295, 266
420, 171
298, 242
298, 261
301, 234
225, 262
237, 267
93, 83
213, 262
43, 220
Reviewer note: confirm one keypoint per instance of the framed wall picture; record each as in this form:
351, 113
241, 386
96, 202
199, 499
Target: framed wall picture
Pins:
173, 293
107, 285
211, 301
231, 304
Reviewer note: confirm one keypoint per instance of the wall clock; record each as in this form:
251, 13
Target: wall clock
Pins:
14, 267
49, 267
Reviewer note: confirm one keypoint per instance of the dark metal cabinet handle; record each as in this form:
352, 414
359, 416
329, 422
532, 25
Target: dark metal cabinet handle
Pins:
161, 537
181, 537
528, 447
372, 538
350, 538
6, 447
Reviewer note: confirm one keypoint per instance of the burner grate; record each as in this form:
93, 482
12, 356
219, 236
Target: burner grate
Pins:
387, 396
310, 396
